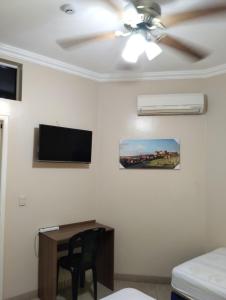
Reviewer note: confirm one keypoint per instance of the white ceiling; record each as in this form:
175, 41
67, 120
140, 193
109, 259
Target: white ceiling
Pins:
36, 25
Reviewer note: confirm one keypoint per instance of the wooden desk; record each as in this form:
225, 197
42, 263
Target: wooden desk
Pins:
52, 242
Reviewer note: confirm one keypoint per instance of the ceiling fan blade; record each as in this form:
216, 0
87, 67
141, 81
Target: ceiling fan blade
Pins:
73, 42
179, 18
191, 51
115, 7
133, 2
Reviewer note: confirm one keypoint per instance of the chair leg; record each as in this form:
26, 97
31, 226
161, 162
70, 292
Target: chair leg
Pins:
58, 271
75, 284
94, 282
82, 279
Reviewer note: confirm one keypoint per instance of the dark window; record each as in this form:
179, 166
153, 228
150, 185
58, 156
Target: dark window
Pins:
10, 80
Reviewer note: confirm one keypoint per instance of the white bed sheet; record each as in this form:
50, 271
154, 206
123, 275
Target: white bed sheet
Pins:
202, 278
128, 294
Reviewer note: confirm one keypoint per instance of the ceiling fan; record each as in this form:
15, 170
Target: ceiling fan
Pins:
146, 28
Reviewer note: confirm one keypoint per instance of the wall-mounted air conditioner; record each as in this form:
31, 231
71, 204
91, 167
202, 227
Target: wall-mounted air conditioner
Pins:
172, 104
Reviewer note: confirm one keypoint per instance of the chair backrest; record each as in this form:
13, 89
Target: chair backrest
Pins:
88, 241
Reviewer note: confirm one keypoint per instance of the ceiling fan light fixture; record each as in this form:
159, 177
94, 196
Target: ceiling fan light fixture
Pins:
135, 46
131, 17
152, 50
118, 33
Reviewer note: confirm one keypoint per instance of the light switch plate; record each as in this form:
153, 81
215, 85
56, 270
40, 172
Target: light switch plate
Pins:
22, 200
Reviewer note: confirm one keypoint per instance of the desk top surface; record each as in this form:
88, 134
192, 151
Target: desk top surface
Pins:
67, 231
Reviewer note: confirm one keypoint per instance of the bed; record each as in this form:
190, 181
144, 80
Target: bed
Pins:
128, 294
202, 278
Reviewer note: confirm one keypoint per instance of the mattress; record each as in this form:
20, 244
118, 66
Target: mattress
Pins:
128, 294
202, 278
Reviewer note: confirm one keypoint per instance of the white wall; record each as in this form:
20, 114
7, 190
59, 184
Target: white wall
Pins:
54, 195
216, 162
159, 215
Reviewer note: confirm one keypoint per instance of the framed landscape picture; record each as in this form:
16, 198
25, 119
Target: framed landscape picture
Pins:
149, 154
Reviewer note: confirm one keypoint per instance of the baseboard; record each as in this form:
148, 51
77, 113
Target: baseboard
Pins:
123, 277
143, 278
27, 296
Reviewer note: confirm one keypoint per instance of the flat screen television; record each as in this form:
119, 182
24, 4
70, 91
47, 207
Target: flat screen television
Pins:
60, 144
10, 80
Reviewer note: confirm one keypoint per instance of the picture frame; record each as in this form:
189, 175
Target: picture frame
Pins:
150, 154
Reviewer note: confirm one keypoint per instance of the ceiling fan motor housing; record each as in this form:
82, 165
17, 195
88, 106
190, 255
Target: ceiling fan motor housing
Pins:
148, 11
148, 8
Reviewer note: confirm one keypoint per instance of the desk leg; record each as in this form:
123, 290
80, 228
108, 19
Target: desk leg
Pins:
105, 260
47, 268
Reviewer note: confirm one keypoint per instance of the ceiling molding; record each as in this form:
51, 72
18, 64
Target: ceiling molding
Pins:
108, 77
36, 58
167, 75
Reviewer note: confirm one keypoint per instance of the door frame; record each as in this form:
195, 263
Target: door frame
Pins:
3, 171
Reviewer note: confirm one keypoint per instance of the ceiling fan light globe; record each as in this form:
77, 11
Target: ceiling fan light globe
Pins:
152, 50
130, 58
130, 16
135, 46
118, 33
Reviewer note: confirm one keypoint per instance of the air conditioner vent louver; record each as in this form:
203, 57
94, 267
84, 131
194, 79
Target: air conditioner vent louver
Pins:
178, 104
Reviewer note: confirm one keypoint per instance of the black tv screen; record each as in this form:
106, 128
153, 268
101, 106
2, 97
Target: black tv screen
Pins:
8, 82
62, 144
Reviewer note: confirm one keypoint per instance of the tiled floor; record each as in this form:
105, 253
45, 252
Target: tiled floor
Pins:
157, 291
